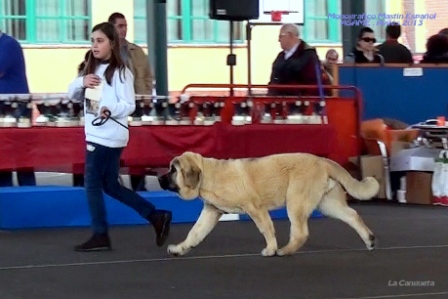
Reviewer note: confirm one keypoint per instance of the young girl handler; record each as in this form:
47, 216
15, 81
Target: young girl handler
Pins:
106, 85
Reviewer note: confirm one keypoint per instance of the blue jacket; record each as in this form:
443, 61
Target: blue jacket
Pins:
12, 66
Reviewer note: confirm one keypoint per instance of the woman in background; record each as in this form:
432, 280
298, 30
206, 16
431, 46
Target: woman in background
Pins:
365, 51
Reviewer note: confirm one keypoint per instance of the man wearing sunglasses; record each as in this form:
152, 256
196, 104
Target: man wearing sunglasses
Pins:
365, 51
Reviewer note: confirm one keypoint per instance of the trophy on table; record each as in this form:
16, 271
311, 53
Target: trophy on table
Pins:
7, 118
297, 112
199, 118
74, 109
23, 111
318, 116
135, 119
173, 115
147, 109
202, 112
258, 111
276, 110
43, 109
266, 118
184, 115
47, 105
53, 103
266, 112
218, 106
160, 106
241, 115
208, 113
78, 112
180, 112
66, 114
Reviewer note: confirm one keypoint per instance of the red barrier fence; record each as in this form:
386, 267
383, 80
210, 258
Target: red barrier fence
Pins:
344, 113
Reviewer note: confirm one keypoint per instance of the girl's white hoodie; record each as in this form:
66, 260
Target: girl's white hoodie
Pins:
119, 98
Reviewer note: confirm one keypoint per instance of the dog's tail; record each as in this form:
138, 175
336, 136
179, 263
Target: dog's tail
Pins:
363, 190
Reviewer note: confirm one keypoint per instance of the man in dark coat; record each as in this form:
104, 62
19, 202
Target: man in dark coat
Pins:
295, 65
391, 49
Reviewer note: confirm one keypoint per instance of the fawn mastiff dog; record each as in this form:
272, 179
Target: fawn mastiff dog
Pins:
301, 182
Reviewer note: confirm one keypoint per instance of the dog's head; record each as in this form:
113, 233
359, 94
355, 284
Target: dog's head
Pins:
184, 175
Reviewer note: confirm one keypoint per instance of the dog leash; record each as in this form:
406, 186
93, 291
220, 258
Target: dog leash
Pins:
99, 121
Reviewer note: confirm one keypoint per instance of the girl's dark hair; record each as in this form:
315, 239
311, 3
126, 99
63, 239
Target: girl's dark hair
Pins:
82, 65
115, 59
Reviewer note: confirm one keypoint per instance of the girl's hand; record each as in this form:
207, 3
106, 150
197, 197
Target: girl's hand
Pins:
104, 113
91, 81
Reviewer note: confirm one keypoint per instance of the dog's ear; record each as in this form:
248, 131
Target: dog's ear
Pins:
192, 176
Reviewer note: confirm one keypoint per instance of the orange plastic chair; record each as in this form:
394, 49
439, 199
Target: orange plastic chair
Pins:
379, 139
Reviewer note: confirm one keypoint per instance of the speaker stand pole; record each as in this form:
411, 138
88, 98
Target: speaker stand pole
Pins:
249, 57
231, 59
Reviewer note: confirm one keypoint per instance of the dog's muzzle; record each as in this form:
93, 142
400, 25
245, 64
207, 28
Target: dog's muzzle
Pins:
167, 183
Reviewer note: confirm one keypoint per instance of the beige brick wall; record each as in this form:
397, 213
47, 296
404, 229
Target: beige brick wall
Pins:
416, 36
409, 31
441, 20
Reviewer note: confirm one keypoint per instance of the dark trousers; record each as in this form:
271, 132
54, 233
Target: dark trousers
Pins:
101, 173
25, 177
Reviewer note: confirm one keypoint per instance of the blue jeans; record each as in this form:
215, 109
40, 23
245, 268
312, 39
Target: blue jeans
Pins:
101, 173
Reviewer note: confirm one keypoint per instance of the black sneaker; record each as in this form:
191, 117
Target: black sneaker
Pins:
161, 221
98, 242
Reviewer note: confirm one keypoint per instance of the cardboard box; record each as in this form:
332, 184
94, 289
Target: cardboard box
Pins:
397, 146
373, 166
414, 159
418, 187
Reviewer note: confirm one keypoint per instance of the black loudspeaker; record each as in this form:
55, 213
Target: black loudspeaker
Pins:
234, 10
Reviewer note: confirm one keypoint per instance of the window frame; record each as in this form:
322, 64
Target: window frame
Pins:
186, 19
381, 33
31, 18
333, 25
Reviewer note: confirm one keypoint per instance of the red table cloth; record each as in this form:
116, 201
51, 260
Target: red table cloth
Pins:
52, 149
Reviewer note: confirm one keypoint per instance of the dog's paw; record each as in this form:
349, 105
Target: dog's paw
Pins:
371, 243
280, 252
175, 250
268, 252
